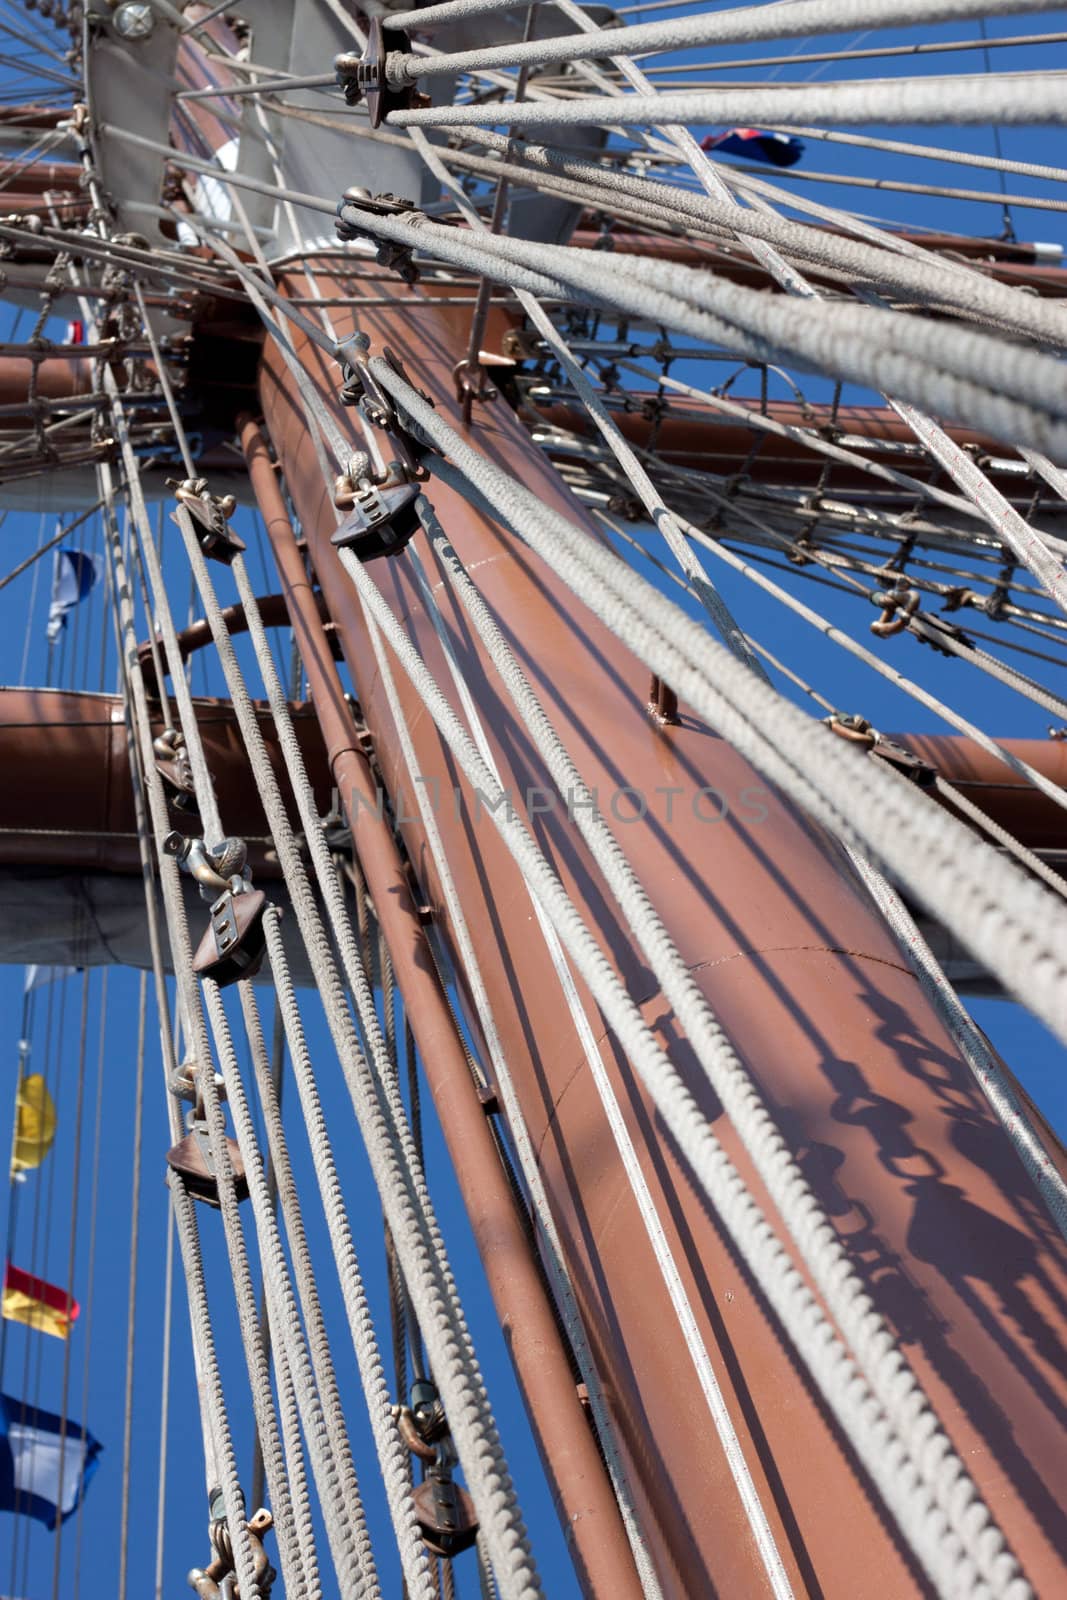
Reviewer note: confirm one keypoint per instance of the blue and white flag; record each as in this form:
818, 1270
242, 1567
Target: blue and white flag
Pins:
30, 1480
73, 576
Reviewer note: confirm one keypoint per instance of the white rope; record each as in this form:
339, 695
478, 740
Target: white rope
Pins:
885, 1366
455, 1364
1034, 99
292, 1530
842, 1386
346, 564
761, 422
218, 1444
937, 281
288, 1340
391, 1456
954, 371
220, 1460
788, 19
683, 1311
259, 1377
384, 1125
561, 1282
1012, 924
303, 1270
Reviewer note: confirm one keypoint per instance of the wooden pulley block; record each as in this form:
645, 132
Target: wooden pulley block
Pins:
190, 1158
235, 943
445, 1514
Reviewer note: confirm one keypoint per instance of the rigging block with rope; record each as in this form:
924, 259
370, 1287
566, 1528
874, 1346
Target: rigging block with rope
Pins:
381, 505
210, 1582
211, 513
393, 256
191, 1158
235, 942
445, 1511
365, 77
381, 513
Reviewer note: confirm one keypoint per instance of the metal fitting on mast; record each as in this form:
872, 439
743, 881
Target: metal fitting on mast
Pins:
368, 78
235, 942
211, 513
381, 505
393, 256
217, 1581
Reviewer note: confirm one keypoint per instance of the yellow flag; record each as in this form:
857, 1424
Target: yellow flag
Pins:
35, 1123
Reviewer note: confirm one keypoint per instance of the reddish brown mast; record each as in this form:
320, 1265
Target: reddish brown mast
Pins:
893, 1131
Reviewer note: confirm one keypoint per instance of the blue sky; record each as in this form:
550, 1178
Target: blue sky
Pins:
33, 1365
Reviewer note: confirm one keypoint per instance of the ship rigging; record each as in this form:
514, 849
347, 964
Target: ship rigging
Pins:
535, 744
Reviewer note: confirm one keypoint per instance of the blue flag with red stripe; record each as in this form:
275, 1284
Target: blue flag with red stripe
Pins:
754, 144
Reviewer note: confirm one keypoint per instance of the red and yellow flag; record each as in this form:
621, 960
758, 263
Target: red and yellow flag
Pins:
38, 1304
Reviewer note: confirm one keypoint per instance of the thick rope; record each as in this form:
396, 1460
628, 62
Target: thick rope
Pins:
404, 1197
220, 1459
788, 19
303, 1271
842, 1386
1011, 923
287, 1334
934, 280
755, 1514
559, 1274
392, 1456
1034, 99
954, 371
290, 1532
